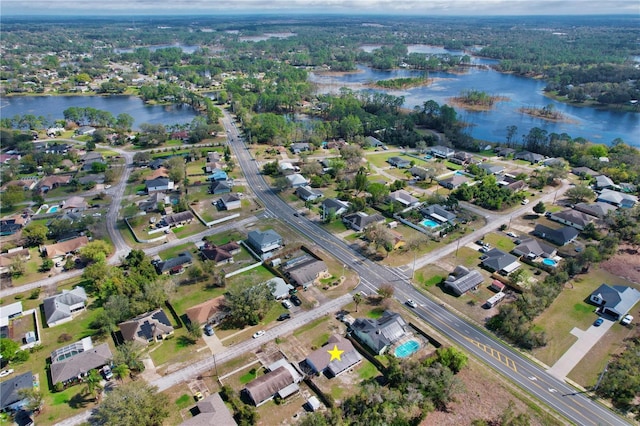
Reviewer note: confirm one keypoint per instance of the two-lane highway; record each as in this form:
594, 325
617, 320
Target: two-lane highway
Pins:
577, 407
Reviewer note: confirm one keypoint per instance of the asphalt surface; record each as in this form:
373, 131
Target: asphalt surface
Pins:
574, 405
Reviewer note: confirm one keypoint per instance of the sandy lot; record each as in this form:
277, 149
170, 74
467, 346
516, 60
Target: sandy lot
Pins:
625, 264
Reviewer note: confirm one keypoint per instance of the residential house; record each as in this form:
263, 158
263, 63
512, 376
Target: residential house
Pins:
373, 142
279, 288
614, 300
154, 325
455, 181
211, 411
359, 221
281, 380
549, 162
287, 168
532, 247
77, 359
174, 265
85, 130
61, 308
462, 158
27, 183
51, 182
573, 218
509, 181
299, 147
75, 203
7, 158
89, 158
181, 218
160, 172
320, 362
213, 156
212, 166
217, 175
7, 259
404, 198
504, 151
462, 280
439, 213
307, 193
296, 180
154, 200
10, 397
333, 206
441, 151
618, 199
560, 237
64, 248
499, 261
304, 270
584, 172
531, 157
222, 254
264, 242
159, 185
598, 209
9, 312
379, 334
57, 148
97, 178
421, 173
491, 169
9, 226
213, 311
229, 202
156, 164
399, 162
627, 187
604, 182
219, 187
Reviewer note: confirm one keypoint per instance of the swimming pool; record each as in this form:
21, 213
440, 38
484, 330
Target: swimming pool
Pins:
550, 262
429, 223
407, 348
53, 209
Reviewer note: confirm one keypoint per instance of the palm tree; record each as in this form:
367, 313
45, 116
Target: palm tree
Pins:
357, 299
92, 384
121, 371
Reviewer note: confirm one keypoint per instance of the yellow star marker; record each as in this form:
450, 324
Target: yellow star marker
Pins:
335, 353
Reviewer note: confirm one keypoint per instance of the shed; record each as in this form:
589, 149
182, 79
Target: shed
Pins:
313, 403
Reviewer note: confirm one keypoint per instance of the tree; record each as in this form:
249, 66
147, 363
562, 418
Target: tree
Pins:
361, 180
90, 145
18, 266
176, 167
92, 383
195, 331
130, 354
121, 371
539, 208
134, 403
95, 251
35, 234
47, 265
386, 291
8, 349
34, 398
451, 358
579, 193
142, 157
248, 303
357, 299
11, 196
124, 121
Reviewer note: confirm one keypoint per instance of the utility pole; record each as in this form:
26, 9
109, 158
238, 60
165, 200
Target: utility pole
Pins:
601, 376
457, 247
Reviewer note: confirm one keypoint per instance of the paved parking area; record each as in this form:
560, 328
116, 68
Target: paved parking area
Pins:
586, 340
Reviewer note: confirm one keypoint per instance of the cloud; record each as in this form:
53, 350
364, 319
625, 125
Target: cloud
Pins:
414, 7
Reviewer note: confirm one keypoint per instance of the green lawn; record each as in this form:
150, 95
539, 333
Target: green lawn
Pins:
367, 370
174, 251
501, 241
453, 166
188, 230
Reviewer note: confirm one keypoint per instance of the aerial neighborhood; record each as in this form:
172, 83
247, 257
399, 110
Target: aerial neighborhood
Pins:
274, 239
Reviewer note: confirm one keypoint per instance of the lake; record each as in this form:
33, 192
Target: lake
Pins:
185, 48
600, 126
52, 108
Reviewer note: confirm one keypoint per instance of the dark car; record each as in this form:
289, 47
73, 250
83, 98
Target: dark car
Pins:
598, 322
296, 300
208, 330
283, 317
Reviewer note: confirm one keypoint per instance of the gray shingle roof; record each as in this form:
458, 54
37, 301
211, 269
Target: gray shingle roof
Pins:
80, 363
463, 280
58, 307
497, 259
559, 236
10, 387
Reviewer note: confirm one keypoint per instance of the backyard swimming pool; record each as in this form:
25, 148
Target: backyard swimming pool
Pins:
550, 262
53, 209
407, 348
429, 223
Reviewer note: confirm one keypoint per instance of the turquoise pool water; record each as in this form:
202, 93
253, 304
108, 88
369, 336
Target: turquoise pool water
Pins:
549, 262
53, 209
429, 223
407, 348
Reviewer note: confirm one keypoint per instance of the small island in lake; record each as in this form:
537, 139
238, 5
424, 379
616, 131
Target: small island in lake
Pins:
476, 100
546, 113
401, 83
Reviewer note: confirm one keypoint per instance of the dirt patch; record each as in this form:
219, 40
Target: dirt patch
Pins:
625, 264
484, 398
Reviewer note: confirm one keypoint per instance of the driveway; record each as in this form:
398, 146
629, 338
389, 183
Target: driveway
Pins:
587, 339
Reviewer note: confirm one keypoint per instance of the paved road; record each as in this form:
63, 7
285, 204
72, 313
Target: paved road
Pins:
575, 406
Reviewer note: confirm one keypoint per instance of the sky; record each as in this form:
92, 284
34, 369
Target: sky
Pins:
399, 7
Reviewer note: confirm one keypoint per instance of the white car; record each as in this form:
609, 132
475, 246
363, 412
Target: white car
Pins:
525, 202
411, 303
512, 235
626, 320
258, 334
5, 373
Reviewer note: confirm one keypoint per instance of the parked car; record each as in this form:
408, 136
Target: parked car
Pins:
296, 300
598, 322
258, 334
107, 373
626, 320
283, 317
208, 330
198, 396
525, 202
5, 373
411, 303
484, 249
512, 235
480, 242
287, 304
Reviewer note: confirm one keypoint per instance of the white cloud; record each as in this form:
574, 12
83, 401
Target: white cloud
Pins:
414, 7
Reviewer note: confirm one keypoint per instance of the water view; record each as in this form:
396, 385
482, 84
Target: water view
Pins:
596, 125
185, 48
51, 107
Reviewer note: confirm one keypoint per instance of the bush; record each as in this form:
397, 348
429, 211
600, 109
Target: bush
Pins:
64, 337
35, 293
58, 387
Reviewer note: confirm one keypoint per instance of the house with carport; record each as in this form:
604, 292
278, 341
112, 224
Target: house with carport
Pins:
572, 218
614, 300
499, 261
